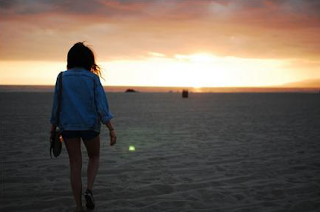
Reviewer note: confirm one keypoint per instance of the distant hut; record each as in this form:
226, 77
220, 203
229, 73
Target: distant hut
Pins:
130, 91
185, 94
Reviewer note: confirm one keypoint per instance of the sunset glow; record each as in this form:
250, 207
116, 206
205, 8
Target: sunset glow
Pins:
164, 43
197, 70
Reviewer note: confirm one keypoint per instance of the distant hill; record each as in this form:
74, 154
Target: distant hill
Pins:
311, 83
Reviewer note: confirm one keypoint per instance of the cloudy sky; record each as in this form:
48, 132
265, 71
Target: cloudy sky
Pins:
197, 43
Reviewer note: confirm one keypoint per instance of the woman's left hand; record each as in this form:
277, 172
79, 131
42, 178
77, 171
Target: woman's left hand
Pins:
113, 137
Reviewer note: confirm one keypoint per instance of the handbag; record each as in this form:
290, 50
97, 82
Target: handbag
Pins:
56, 137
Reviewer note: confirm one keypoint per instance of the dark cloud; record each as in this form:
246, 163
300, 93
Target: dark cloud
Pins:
81, 7
175, 9
7, 4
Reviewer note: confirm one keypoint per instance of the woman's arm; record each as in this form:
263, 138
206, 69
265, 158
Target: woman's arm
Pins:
54, 109
102, 103
103, 110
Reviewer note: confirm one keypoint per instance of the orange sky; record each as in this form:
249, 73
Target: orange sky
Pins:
198, 43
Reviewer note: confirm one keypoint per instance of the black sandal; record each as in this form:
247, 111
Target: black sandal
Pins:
89, 199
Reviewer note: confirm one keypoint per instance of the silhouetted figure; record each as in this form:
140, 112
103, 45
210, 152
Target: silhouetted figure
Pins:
84, 106
185, 94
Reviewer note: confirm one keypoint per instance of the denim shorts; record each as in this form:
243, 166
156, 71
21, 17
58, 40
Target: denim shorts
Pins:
84, 134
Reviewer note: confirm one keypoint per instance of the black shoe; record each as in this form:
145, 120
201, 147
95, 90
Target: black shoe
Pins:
89, 199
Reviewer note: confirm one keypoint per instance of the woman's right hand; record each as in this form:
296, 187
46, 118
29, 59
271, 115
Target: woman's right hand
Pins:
113, 137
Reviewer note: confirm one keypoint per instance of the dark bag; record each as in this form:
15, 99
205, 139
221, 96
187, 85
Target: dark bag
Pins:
56, 138
56, 143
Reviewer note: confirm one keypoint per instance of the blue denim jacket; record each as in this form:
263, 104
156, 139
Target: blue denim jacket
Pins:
84, 103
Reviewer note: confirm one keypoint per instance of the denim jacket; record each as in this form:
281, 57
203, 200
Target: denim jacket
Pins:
84, 104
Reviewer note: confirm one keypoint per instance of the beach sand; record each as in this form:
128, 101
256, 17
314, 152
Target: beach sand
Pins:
210, 152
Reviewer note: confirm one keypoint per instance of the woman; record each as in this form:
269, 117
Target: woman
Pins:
83, 107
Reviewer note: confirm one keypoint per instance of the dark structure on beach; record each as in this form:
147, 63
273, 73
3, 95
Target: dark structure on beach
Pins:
185, 94
130, 91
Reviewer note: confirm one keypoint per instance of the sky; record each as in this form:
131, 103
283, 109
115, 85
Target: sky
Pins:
192, 43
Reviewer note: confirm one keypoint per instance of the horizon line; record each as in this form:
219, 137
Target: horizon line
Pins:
162, 89
192, 87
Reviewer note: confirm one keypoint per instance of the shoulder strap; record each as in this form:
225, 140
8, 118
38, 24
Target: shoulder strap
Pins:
59, 98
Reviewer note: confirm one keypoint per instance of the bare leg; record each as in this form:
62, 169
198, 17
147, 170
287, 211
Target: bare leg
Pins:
93, 150
73, 146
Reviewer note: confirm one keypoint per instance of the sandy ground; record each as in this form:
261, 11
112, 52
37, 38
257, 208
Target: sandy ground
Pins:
211, 152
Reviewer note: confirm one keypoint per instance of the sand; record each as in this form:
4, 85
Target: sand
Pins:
210, 152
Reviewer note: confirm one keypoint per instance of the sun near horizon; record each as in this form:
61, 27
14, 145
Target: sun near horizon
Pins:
180, 44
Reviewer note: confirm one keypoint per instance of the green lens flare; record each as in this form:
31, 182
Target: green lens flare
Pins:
132, 148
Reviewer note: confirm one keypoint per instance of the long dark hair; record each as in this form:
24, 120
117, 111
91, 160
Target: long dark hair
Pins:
81, 55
